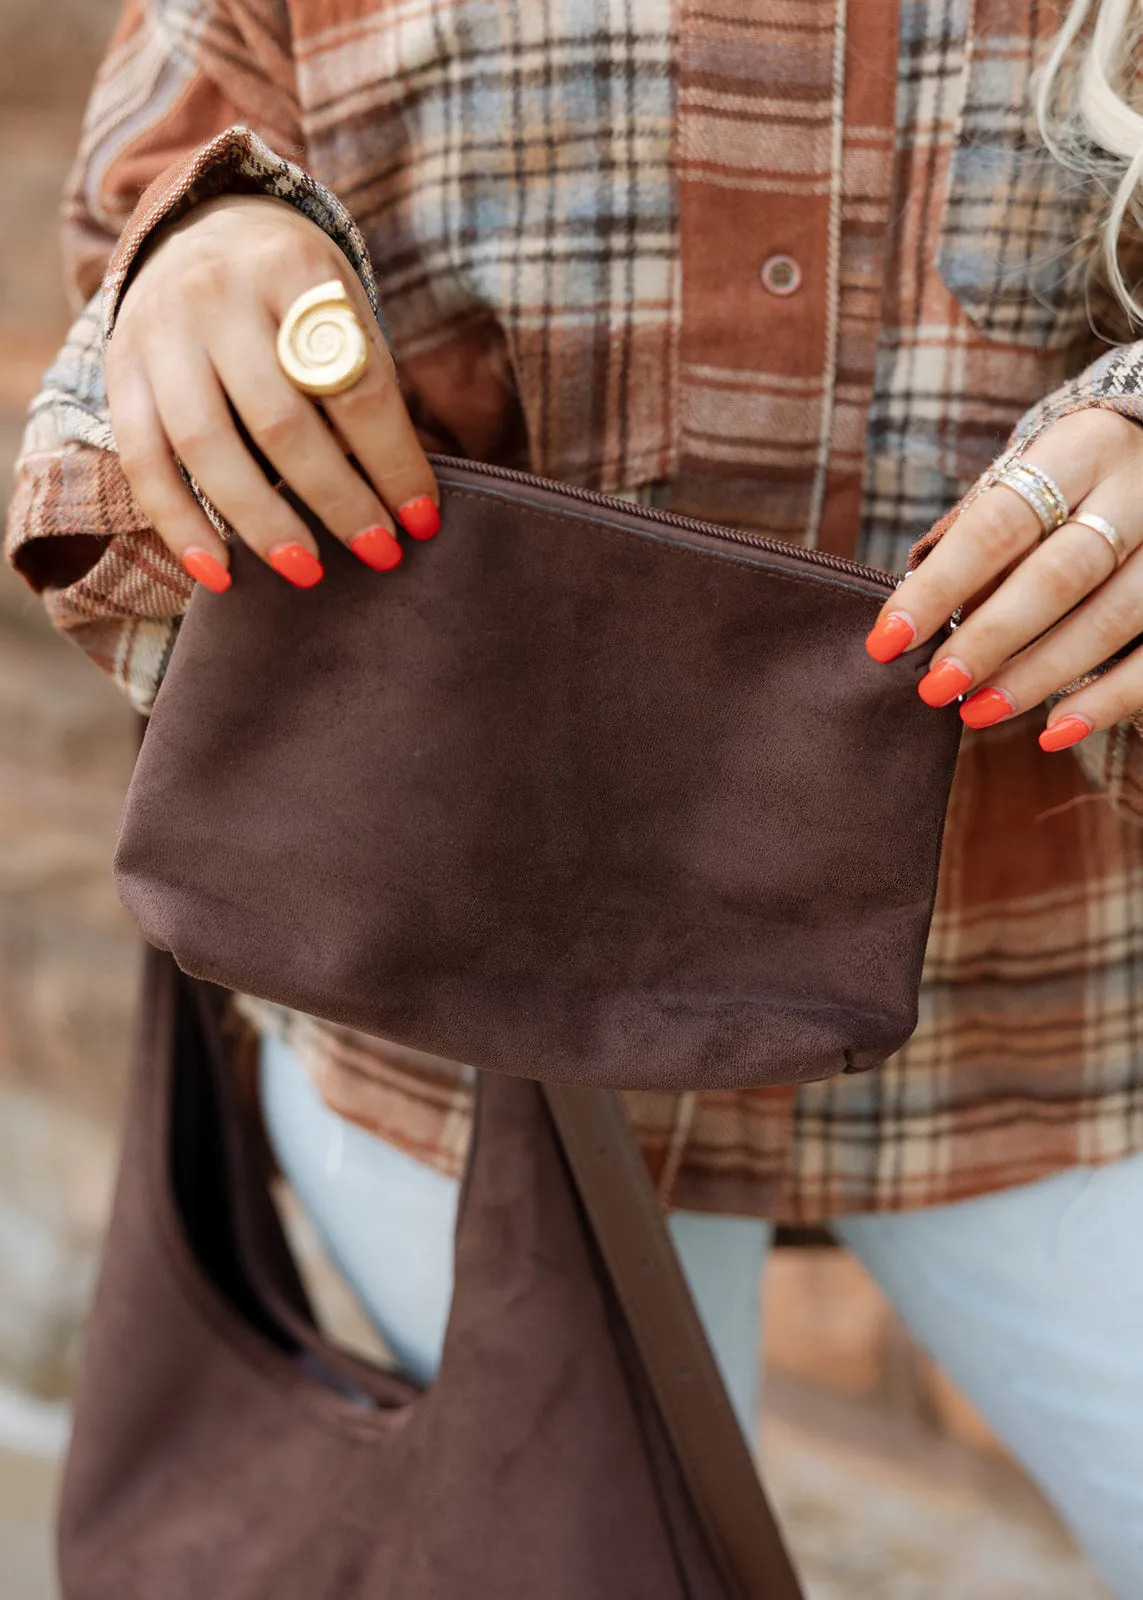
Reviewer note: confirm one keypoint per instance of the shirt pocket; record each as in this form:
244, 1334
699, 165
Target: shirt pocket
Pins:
1018, 230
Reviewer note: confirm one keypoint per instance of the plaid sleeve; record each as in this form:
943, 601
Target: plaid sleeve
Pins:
152, 148
77, 534
176, 73
1113, 758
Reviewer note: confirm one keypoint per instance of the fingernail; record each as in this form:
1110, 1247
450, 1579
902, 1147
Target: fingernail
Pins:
987, 707
944, 682
295, 563
1067, 731
890, 636
207, 570
420, 518
377, 548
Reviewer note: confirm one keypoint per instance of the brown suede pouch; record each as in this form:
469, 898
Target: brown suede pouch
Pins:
579, 792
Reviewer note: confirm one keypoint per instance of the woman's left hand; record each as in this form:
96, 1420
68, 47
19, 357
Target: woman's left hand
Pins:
1040, 612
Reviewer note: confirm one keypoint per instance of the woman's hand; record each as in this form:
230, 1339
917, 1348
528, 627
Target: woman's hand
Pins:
195, 337
1040, 612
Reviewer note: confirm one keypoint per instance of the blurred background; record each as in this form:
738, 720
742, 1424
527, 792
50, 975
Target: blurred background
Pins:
888, 1484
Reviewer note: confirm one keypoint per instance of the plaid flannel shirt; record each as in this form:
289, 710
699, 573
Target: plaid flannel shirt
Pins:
572, 213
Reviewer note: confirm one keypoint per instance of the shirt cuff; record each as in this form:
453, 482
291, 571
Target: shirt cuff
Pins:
234, 162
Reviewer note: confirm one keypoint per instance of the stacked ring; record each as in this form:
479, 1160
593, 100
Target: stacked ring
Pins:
1106, 530
1037, 490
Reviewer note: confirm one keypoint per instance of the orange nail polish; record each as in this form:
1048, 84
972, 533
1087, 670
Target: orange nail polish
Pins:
944, 682
890, 636
420, 518
207, 570
985, 708
296, 564
1067, 731
377, 548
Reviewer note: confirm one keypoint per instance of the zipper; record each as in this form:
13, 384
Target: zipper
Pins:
670, 519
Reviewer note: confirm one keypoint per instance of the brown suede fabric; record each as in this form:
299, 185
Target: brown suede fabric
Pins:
213, 1455
576, 793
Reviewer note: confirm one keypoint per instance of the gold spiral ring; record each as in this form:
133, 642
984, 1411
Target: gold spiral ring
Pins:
322, 347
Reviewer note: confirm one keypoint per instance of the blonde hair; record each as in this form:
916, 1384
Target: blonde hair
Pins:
1085, 106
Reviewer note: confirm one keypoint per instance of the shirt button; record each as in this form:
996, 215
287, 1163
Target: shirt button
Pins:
781, 275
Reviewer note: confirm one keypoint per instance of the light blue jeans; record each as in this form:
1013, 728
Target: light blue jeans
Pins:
1030, 1299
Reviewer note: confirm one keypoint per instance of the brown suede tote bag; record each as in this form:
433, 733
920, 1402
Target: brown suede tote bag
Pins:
581, 791
576, 1445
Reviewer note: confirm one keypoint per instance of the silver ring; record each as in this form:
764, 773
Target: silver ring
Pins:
1106, 530
1038, 491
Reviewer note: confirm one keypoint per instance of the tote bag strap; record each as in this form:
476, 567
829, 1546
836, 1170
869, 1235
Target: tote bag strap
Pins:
615, 1188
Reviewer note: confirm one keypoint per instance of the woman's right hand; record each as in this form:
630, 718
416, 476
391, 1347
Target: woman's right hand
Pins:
197, 328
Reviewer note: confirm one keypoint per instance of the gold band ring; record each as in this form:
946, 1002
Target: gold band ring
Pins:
322, 347
1042, 493
1106, 530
